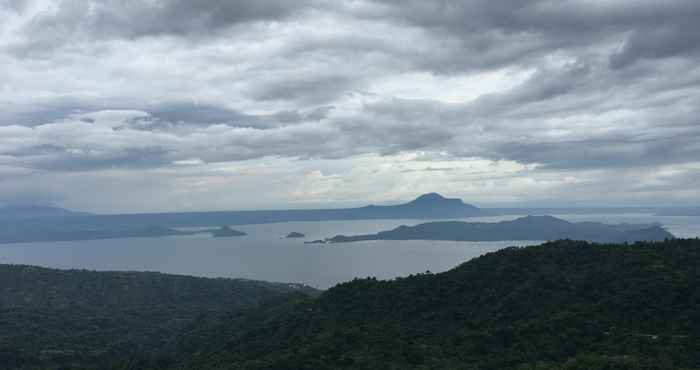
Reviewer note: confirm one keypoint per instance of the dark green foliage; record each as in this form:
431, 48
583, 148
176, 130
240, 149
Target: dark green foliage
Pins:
562, 305
52, 318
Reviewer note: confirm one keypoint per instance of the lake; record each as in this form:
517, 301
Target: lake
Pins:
265, 255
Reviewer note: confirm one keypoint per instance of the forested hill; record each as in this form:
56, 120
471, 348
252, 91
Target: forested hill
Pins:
55, 318
561, 305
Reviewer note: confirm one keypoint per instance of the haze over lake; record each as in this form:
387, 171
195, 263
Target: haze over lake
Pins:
265, 255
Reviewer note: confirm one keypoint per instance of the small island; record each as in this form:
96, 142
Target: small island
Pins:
226, 232
318, 241
532, 228
295, 234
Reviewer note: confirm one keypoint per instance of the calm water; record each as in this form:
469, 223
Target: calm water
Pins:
264, 255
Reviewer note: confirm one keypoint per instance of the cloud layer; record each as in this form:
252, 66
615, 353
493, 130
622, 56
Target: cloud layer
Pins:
549, 101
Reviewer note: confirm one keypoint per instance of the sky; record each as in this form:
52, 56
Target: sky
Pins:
118, 106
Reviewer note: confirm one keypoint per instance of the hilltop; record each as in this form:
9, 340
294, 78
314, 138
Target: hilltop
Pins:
431, 205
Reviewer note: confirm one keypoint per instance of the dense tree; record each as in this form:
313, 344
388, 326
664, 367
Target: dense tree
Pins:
562, 305
52, 318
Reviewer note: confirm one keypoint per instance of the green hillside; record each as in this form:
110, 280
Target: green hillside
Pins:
52, 318
562, 305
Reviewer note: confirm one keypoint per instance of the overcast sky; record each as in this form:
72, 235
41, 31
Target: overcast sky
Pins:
156, 105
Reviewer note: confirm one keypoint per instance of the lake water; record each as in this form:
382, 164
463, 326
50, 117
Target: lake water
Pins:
264, 255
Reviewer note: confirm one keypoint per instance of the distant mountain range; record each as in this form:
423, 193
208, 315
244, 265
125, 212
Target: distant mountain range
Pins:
31, 223
23, 212
66, 225
428, 206
539, 228
43, 234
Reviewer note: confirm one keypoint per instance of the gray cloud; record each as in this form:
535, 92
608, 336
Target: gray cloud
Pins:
623, 152
585, 130
163, 115
171, 114
558, 87
679, 39
17, 6
66, 21
489, 34
199, 114
309, 90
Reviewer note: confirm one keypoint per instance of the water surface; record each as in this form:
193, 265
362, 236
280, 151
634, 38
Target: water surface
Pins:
265, 255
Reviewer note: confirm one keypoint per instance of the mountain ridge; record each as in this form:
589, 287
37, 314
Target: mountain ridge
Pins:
84, 227
21, 212
539, 228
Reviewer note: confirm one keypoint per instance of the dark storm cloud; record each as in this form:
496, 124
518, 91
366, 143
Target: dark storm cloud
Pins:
495, 33
65, 21
680, 39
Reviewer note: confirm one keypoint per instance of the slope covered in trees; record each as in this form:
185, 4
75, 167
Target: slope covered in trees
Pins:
74, 318
562, 305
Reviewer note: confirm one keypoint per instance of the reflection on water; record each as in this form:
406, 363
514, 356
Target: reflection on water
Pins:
264, 254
